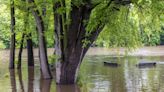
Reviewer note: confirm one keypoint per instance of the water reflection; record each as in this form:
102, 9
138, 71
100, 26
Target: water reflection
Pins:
68, 88
96, 77
30, 79
20, 80
45, 85
13, 80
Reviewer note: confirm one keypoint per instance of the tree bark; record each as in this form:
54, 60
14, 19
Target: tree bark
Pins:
70, 58
12, 43
42, 42
30, 50
20, 52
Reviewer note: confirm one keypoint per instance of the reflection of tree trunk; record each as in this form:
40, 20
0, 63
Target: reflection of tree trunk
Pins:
45, 85
20, 80
68, 88
12, 43
30, 79
13, 80
20, 52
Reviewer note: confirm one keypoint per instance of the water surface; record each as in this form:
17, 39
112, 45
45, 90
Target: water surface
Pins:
94, 75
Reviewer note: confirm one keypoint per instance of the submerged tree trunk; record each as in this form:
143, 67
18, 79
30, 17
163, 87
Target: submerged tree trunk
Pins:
30, 50
42, 42
20, 52
12, 43
71, 52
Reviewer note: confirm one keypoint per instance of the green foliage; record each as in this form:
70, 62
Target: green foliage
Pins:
138, 23
52, 59
4, 25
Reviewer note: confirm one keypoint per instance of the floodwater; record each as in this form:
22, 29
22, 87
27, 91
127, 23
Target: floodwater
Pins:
94, 76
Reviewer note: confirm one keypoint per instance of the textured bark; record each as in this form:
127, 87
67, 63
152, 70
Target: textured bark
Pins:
20, 52
42, 42
70, 57
12, 43
30, 50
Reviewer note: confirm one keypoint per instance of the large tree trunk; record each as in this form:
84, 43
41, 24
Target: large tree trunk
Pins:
30, 50
42, 42
12, 43
71, 53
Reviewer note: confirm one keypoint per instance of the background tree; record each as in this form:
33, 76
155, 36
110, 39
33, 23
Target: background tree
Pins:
42, 41
12, 44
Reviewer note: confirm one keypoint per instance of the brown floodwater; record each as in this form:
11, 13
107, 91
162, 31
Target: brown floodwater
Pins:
94, 76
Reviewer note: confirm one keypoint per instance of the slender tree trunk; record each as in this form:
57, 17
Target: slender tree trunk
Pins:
20, 52
12, 43
30, 50
42, 42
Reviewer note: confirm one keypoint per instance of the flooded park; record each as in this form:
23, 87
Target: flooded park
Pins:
94, 76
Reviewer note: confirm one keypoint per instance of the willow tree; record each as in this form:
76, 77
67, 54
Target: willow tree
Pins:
76, 30
137, 24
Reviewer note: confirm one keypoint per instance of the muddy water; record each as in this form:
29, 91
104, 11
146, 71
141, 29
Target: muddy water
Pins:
94, 75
